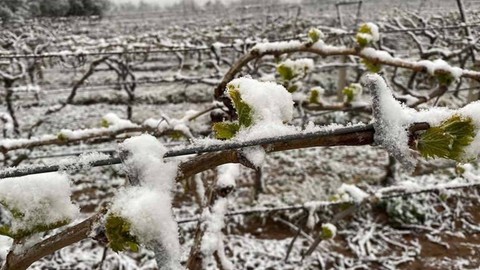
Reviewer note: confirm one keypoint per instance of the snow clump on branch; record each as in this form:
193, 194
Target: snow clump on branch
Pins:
453, 134
37, 203
269, 101
146, 208
263, 108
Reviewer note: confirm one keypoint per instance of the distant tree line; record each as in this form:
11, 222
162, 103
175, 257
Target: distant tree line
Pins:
21, 9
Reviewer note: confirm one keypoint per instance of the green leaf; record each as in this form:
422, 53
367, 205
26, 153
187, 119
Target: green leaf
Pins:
352, 91
463, 131
244, 111
362, 41
118, 234
285, 72
372, 67
5, 230
349, 94
314, 35
445, 78
292, 88
447, 140
363, 34
176, 135
62, 137
225, 130
314, 97
435, 143
328, 231
365, 29
105, 123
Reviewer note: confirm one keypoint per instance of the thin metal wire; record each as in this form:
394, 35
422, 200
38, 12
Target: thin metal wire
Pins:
208, 48
325, 204
27, 170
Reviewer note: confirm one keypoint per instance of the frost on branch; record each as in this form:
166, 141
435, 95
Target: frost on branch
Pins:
452, 73
212, 240
276, 46
111, 119
262, 109
110, 123
36, 203
391, 122
143, 213
227, 174
453, 134
213, 217
351, 192
180, 126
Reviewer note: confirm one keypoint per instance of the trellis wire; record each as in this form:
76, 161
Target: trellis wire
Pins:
207, 48
326, 204
15, 172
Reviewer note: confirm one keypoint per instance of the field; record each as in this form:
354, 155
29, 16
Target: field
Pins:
73, 89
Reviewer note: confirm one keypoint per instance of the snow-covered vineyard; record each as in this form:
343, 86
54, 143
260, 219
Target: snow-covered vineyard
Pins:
248, 135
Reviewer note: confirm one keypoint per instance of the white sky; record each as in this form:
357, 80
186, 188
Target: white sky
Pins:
161, 2
169, 2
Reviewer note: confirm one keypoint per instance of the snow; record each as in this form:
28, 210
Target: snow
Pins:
376, 54
270, 102
82, 162
8, 126
148, 207
319, 89
167, 123
27, 88
374, 31
217, 47
256, 155
265, 129
312, 217
373, 34
114, 122
214, 222
146, 157
439, 64
200, 188
327, 49
354, 192
227, 174
42, 199
150, 215
5, 245
392, 120
276, 46
299, 66
14, 143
